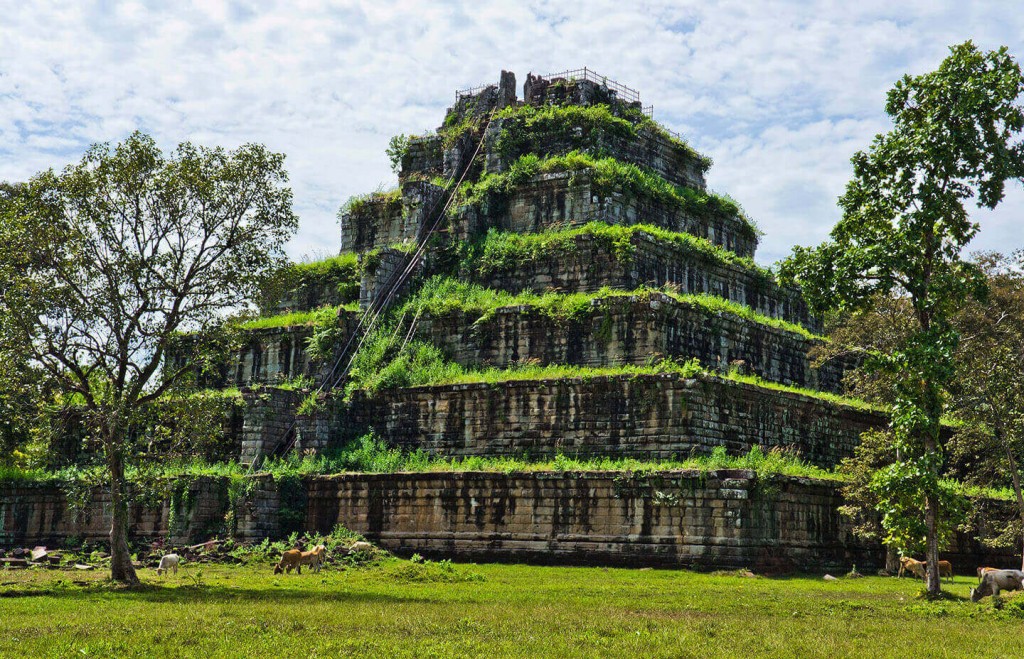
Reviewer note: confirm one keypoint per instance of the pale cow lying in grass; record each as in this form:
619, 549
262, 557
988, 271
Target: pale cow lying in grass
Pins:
294, 558
168, 562
996, 580
360, 548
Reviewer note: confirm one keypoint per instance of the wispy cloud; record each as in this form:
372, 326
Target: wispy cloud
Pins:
780, 94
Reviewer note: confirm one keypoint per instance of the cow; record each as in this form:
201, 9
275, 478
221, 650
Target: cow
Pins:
321, 557
360, 547
946, 570
908, 564
168, 562
996, 580
983, 570
293, 558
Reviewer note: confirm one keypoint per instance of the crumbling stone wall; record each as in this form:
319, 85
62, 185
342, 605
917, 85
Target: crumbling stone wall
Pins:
625, 330
269, 422
591, 264
33, 514
645, 416
650, 149
569, 199
729, 518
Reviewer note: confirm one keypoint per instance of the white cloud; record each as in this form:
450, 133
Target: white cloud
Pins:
779, 93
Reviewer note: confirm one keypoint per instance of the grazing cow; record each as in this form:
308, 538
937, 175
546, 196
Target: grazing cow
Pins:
321, 556
293, 558
908, 564
997, 580
983, 570
919, 568
168, 562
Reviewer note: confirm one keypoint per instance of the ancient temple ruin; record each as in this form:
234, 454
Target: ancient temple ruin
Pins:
574, 194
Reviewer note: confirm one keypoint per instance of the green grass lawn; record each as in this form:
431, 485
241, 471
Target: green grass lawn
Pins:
398, 608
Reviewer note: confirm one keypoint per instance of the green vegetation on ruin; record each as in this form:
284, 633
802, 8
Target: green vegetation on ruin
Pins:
527, 128
360, 203
368, 454
507, 250
323, 315
399, 608
442, 295
607, 175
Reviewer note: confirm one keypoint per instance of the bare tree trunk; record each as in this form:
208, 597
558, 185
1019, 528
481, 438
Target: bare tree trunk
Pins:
121, 568
931, 518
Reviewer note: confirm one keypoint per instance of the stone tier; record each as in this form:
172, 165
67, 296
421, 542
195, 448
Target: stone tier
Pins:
562, 199
652, 150
590, 263
389, 219
629, 330
643, 416
717, 519
724, 519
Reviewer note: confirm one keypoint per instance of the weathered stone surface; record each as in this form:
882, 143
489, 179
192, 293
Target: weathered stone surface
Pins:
269, 422
650, 149
625, 330
589, 264
650, 417
31, 514
569, 199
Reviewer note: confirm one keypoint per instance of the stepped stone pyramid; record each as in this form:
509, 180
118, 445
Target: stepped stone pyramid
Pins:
572, 190
594, 197
561, 254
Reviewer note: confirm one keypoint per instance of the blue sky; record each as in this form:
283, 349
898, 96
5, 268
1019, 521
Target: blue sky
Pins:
779, 94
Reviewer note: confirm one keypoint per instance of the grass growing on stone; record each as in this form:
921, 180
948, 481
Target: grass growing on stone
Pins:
607, 175
442, 295
507, 250
530, 128
299, 318
396, 608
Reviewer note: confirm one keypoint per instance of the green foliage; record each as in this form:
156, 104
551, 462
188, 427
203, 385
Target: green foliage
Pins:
956, 136
388, 200
529, 128
397, 148
299, 280
607, 175
387, 609
506, 250
323, 315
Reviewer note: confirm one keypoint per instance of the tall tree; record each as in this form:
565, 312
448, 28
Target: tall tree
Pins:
955, 137
104, 262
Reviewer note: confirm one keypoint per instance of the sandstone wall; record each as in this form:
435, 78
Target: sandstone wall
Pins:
590, 264
650, 417
568, 199
624, 330
33, 514
723, 519
650, 149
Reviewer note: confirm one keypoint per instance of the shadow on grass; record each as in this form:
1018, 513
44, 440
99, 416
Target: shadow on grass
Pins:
206, 593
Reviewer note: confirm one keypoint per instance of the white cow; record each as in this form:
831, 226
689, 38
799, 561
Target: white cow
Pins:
168, 562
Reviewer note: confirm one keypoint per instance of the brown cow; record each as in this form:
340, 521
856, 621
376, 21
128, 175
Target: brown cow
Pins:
293, 558
908, 564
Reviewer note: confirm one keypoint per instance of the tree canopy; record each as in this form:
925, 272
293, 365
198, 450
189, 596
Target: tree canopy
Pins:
956, 137
103, 263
